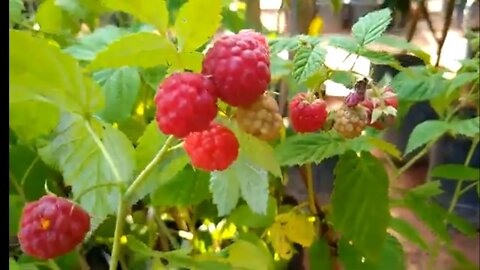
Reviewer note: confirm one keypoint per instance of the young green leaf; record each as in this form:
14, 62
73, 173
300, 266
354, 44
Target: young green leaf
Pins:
425, 132
154, 12
308, 60
32, 118
91, 154
467, 127
88, 46
148, 146
427, 190
121, 87
194, 28
13, 265
455, 172
364, 216
52, 19
315, 147
319, 254
136, 50
371, 26
258, 152
241, 177
417, 84
247, 256
40, 71
407, 230
297, 228
244, 216
188, 187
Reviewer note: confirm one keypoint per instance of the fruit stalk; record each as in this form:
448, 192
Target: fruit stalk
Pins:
127, 200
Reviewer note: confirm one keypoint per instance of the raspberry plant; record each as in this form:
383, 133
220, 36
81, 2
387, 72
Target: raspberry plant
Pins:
166, 138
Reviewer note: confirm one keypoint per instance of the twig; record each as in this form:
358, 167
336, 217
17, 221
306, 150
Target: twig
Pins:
446, 26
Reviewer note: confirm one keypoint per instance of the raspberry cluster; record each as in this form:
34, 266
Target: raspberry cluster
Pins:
236, 70
51, 227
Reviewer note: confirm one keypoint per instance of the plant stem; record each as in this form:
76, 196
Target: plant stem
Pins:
53, 265
446, 26
414, 159
456, 196
467, 188
17, 187
164, 229
310, 189
127, 200
29, 169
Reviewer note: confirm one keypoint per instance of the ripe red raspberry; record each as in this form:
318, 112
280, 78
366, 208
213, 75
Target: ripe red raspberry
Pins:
240, 68
307, 114
52, 227
257, 36
261, 119
213, 149
350, 121
185, 103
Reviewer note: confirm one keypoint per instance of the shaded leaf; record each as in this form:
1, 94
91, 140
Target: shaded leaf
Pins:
15, 204
319, 254
364, 217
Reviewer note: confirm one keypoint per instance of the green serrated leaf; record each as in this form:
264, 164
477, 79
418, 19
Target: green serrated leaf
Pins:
307, 148
194, 28
344, 42
186, 188
403, 44
15, 8
244, 216
371, 26
52, 19
148, 146
461, 80
258, 152
136, 50
90, 154
225, 188
245, 255
385, 146
427, 190
319, 254
40, 71
291, 43
467, 127
154, 12
121, 87
417, 84
32, 118
455, 172
364, 217
307, 62
408, 231
88, 46
380, 58
425, 132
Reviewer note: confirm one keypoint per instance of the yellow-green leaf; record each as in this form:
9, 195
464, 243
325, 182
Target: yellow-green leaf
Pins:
52, 19
136, 50
154, 12
279, 242
297, 228
196, 22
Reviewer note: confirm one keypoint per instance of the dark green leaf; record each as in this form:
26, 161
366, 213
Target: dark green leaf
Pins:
417, 84
351, 257
319, 254
137, 50
15, 205
149, 144
408, 231
153, 76
364, 217
371, 26
194, 28
308, 60
468, 127
427, 190
89, 45
149, 11
393, 256
403, 44
40, 71
186, 188
461, 224
244, 216
455, 172
121, 88
90, 154
425, 132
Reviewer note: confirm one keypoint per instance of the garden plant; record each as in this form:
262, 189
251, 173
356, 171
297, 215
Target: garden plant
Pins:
158, 142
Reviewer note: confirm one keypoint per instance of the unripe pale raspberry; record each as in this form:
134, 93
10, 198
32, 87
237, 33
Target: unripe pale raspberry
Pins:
52, 227
350, 121
239, 65
213, 149
261, 119
185, 103
307, 113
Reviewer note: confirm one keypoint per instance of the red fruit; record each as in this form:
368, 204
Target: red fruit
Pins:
306, 114
213, 149
52, 227
185, 103
257, 36
240, 68
390, 99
